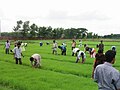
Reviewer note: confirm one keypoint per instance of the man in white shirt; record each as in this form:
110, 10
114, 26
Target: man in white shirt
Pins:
75, 51
54, 47
35, 60
18, 53
107, 77
7, 47
81, 54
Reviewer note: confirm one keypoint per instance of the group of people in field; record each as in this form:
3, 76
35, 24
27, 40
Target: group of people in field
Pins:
107, 77
19, 47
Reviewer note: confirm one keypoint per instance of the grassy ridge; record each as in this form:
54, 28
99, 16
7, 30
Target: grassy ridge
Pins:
57, 73
26, 78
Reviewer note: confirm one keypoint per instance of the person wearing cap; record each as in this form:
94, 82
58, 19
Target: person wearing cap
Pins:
107, 77
18, 53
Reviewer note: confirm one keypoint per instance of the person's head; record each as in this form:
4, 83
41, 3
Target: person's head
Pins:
82, 54
97, 46
53, 41
73, 40
31, 59
110, 56
59, 47
18, 44
113, 48
85, 45
101, 41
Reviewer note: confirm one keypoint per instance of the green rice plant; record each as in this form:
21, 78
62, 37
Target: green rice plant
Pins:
58, 72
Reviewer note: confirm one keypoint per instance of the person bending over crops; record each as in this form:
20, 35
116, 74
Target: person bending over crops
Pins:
86, 48
75, 51
82, 55
35, 60
92, 52
63, 49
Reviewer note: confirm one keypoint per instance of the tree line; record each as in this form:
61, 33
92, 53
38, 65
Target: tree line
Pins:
25, 30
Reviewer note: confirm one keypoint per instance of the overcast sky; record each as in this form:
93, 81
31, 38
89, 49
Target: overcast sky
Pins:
98, 16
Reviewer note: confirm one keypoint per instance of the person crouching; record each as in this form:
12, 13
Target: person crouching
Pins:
81, 54
63, 49
35, 60
75, 51
92, 52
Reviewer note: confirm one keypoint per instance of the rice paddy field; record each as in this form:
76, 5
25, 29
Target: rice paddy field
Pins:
58, 72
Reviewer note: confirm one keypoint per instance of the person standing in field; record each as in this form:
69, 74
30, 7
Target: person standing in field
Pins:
80, 43
15, 43
101, 46
18, 53
82, 55
99, 59
22, 46
54, 47
35, 60
7, 47
107, 77
73, 44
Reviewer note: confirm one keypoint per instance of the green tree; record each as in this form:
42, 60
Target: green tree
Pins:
48, 33
57, 33
33, 30
17, 28
25, 29
42, 32
89, 34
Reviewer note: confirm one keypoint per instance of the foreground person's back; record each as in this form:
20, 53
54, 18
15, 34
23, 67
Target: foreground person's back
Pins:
107, 77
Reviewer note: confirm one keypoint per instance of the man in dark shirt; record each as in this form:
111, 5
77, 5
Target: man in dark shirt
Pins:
101, 46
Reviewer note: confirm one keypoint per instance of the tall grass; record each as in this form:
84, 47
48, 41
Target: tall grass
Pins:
57, 72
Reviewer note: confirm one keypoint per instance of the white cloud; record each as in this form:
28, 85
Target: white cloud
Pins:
99, 16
